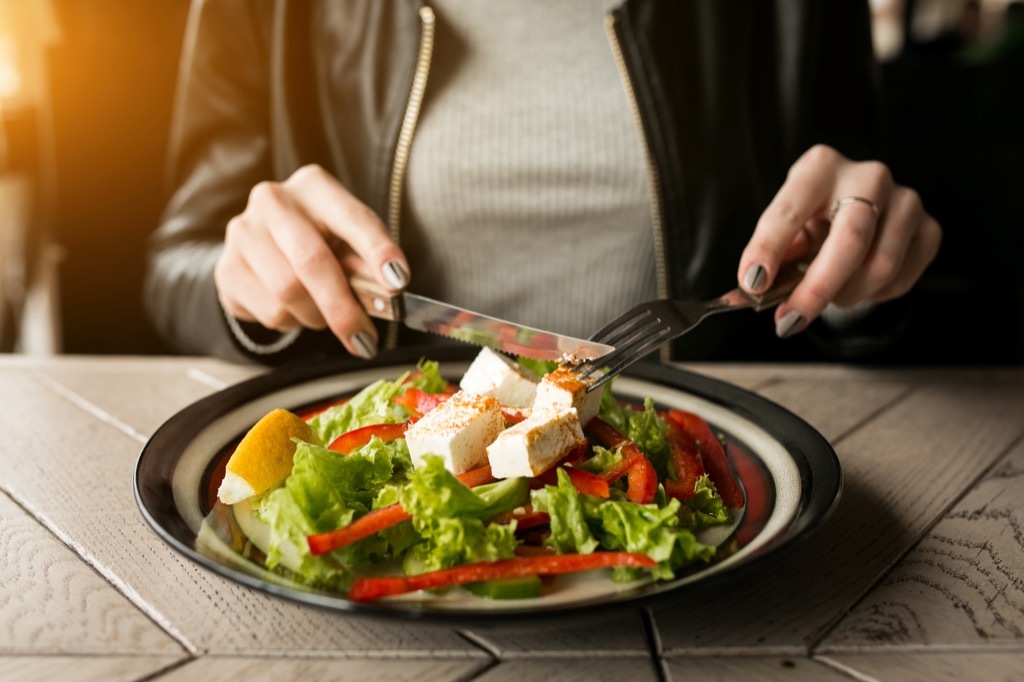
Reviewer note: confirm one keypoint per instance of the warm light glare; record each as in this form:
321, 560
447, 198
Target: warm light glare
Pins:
10, 77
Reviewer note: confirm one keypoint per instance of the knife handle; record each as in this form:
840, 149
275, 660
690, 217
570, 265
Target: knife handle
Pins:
789, 276
378, 302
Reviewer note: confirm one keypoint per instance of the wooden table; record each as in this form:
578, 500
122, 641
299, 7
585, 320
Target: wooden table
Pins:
919, 574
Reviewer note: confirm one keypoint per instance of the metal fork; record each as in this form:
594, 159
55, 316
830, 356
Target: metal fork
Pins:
648, 326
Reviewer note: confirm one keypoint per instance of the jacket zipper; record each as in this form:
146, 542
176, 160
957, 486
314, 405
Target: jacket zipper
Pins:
405, 134
653, 177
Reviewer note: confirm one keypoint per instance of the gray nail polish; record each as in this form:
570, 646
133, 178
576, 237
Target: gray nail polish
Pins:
366, 345
790, 324
755, 277
395, 274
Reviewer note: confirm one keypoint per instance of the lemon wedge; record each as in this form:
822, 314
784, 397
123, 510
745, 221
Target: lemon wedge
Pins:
263, 459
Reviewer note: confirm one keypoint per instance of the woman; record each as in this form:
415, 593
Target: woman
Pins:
551, 163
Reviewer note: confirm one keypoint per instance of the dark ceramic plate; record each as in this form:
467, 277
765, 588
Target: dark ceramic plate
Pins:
789, 472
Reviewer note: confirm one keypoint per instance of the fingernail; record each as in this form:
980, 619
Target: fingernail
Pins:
395, 274
790, 324
365, 345
754, 279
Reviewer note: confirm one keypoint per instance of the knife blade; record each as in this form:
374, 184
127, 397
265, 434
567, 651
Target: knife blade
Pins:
425, 314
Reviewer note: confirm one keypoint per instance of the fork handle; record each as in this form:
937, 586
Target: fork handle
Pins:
789, 276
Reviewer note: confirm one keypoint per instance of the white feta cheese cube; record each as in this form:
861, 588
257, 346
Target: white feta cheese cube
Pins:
495, 375
458, 430
534, 445
562, 389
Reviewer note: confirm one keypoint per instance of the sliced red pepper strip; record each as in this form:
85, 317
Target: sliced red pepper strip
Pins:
478, 476
614, 472
418, 402
643, 482
642, 478
363, 527
587, 483
712, 454
687, 465
357, 438
369, 589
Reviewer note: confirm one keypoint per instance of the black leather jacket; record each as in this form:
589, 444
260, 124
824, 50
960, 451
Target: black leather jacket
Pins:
728, 94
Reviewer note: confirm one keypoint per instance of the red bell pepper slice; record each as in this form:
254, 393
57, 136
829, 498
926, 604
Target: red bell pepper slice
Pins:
687, 465
587, 483
357, 438
418, 402
614, 472
363, 527
643, 482
477, 476
642, 478
369, 589
712, 454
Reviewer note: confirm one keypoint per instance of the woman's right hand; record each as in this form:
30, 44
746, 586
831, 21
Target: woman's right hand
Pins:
288, 256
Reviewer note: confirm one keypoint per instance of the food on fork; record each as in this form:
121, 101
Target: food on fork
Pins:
562, 389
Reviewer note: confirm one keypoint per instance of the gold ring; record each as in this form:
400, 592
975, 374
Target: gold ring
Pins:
839, 203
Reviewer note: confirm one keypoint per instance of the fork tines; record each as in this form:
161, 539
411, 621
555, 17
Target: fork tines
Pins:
634, 334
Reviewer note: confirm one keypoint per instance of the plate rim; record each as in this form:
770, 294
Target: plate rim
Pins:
820, 472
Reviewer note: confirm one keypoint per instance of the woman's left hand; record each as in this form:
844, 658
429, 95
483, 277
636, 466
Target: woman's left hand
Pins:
875, 247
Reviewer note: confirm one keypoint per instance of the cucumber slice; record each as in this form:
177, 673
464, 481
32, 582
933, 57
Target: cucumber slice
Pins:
510, 588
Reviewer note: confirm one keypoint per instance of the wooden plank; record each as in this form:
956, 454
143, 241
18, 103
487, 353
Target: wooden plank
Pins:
261, 669
576, 669
74, 473
619, 633
130, 394
745, 376
903, 468
963, 585
835, 408
52, 602
935, 666
732, 668
82, 668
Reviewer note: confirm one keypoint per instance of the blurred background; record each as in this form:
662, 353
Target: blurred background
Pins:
86, 90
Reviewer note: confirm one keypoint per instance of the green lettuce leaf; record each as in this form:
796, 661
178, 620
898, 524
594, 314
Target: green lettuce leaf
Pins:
538, 367
582, 523
429, 379
705, 508
643, 427
570, 527
450, 519
326, 491
373, 404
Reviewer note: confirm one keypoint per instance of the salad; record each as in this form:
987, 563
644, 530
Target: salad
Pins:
386, 492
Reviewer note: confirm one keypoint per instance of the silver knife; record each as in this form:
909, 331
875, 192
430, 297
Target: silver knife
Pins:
426, 314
